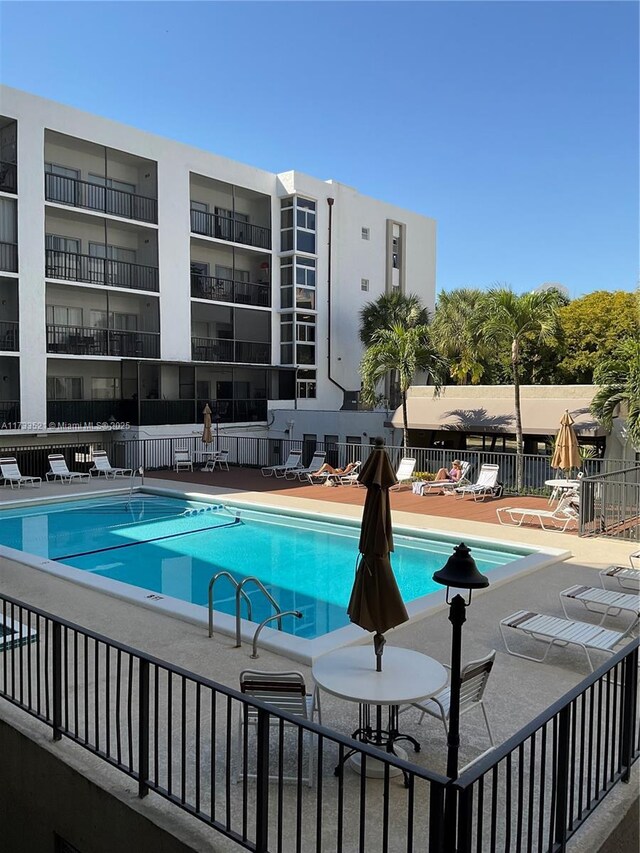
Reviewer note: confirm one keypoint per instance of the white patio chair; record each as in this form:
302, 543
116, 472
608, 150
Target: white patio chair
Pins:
603, 602
60, 471
473, 683
300, 473
182, 459
621, 577
558, 519
292, 461
11, 474
553, 629
405, 471
286, 691
485, 486
431, 486
101, 465
220, 458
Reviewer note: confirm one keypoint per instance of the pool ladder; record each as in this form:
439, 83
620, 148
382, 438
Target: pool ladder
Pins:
242, 595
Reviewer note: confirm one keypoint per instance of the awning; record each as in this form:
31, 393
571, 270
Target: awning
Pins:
540, 416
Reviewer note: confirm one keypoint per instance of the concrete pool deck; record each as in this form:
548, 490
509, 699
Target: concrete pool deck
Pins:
518, 691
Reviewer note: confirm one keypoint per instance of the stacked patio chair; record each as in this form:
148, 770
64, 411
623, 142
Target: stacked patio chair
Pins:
301, 473
293, 461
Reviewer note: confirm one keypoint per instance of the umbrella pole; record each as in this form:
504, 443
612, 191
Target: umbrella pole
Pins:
378, 645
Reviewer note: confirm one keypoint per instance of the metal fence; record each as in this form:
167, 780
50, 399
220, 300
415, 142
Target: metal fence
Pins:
178, 734
33, 462
610, 504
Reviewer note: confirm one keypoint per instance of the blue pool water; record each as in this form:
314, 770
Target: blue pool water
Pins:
173, 547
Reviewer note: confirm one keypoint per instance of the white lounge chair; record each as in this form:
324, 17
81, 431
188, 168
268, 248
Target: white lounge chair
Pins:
60, 471
560, 518
603, 602
336, 478
220, 458
286, 691
485, 486
432, 486
621, 577
553, 629
405, 471
301, 473
182, 459
11, 474
101, 465
293, 461
350, 479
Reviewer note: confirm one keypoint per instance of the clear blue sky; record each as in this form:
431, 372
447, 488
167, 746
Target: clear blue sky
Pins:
513, 124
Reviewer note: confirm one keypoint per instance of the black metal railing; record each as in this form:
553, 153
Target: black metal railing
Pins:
81, 340
222, 349
167, 412
9, 415
91, 413
227, 290
610, 504
33, 462
76, 267
9, 257
228, 228
8, 177
9, 340
179, 734
77, 193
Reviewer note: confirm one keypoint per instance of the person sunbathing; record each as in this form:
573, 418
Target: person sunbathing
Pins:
329, 469
452, 475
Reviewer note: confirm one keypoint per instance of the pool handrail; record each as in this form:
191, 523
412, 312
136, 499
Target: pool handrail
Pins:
262, 587
236, 585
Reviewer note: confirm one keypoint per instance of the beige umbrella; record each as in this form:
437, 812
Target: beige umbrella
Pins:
566, 454
206, 432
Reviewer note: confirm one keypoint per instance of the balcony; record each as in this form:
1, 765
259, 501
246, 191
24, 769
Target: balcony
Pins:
77, 193
9, 414
8, 177
91, 412
228, 228
86, 268
9, 257
78, 340
9, 336
226, 290
225, 350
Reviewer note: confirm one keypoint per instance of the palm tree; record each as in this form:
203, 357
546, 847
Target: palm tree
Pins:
507, 320
458, 336
389, 310
405, 352
619, 378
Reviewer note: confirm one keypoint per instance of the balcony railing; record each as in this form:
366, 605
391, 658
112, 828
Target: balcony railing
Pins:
8, 177
227, 290
168, 412
9, 414
78, 193
75, 267
222, 349
91, 412
81, 340
9, 257
9, 336
227, 228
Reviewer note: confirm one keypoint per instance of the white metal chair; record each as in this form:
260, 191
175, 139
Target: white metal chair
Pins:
444, 486
182, 459
101, 465
553, 629
603, 602
473, 683
300, 473
485, 485
559, 519
405, 471
286, 691
60, 471
11, 474
220, 458
293, 461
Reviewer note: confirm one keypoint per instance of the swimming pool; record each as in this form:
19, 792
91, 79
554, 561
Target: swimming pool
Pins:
160, 549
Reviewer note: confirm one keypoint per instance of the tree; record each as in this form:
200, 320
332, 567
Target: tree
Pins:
458, 335
405, 352
507, 320
619, 378
389, 310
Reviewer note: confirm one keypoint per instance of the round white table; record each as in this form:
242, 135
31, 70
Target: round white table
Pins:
559, 485
407, 676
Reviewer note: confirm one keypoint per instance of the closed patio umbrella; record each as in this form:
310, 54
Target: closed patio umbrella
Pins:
566, 454
376, 604
206, 432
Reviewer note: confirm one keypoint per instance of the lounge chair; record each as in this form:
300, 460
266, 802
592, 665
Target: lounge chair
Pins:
301, 473
182, 459
286, 691
293, 461
560, 518
59, 470
350, 479
603, 602
553, 629
335, 479
405, 471
101, 465
621, 577
220, 458
485, 486
444, 486
11, 474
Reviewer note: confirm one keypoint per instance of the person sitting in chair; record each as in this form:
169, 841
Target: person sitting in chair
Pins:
452, 475
329, 469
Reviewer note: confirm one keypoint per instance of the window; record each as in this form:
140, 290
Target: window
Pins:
59, 264
64, 387
63, 315
306, 385
305, 226
305, 298
62, 244
111, 184
286, 282
286, 225
63, 188
113, 253
105, 388
364, 284
354, 439
396, 253
125, 322
366, 234
306, 272
286, 339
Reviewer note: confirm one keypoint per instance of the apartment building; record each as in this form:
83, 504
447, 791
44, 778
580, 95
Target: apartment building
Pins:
141, 278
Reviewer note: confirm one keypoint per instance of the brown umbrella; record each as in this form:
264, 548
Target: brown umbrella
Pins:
375, 603
206, 432
566, 454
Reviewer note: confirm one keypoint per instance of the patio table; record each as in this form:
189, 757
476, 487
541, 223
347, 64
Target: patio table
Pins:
559, 485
